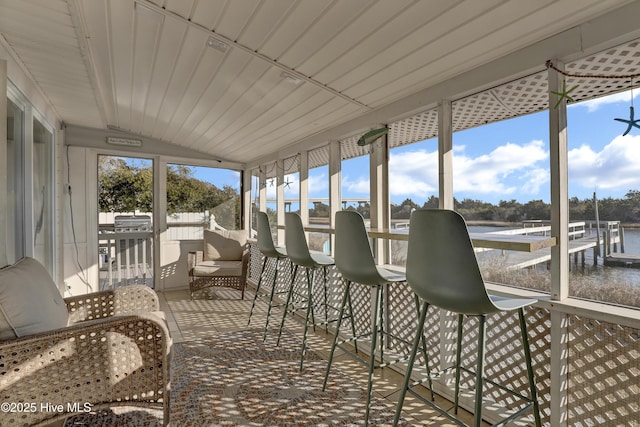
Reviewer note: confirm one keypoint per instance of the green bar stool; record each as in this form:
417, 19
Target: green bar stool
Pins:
443, 271
269, 251
355, 262
300, 256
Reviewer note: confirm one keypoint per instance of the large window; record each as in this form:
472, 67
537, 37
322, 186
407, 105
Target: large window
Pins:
604, 191
200, 196
319, 209
501, 185
413, 184
15, 178
30, 182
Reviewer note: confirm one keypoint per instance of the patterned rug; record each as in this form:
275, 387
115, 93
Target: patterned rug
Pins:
234, 379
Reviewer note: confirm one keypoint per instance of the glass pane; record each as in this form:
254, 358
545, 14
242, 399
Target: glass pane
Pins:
15, 180
501, 185
43, 194
200, 196
413, 184
319, 196
125, 204
604, 196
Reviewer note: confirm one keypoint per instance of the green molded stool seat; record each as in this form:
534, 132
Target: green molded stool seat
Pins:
269, 251
355, 262
300, 256
443, 271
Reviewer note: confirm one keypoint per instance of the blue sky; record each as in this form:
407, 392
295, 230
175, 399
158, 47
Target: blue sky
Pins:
503, 161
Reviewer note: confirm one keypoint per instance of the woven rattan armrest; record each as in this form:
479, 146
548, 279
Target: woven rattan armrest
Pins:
120, 360
112, 302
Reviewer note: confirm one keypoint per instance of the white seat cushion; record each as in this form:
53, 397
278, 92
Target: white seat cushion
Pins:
30, 302
218, 268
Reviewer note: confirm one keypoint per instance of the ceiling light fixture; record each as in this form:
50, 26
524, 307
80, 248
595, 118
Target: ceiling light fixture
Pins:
372, 136
290, 78
218, 45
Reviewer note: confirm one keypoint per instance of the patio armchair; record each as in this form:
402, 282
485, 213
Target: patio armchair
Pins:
60, 357
223, 261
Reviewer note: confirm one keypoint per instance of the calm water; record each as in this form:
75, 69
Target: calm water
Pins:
600, 273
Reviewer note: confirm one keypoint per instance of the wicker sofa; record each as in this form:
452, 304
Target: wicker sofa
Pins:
223, 261
63, 356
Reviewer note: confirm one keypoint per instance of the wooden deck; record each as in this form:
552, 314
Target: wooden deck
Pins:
516, 260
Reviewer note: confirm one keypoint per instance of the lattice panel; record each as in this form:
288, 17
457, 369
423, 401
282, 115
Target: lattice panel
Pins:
319, 157
415, 128
403, 319
349, 148
618, 61
604, 374
504, 359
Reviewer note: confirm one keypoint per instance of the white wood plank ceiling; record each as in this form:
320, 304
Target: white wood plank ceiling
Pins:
242, 80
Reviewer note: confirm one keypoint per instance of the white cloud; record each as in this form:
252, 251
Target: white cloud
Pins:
509, 169
615, 167
359, 185
413, 173
594, 104
318, 185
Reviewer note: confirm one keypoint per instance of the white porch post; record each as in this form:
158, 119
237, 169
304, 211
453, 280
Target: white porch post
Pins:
280, 197
335, 186
379, 194
445, 201
445, 155
246, 200
159, 217
303, 174
559, 252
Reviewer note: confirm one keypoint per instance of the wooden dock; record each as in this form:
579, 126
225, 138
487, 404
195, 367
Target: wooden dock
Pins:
517, 260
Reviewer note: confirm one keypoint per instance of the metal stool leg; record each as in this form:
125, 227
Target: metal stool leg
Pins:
480, 371
309, 314
458, 361
412, 357
286, 305
273, 291
255, 296
425, 352
345, 297
353, 322
527, 356
372, 355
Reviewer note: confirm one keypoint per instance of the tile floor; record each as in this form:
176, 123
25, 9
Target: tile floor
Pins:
222, 310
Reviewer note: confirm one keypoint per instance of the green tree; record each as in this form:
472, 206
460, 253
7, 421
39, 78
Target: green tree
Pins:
126, 187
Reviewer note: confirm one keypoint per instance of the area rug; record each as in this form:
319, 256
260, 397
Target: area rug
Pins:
234, 379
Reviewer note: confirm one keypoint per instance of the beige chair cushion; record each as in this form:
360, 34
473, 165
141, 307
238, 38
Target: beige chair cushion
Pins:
224, 245
30, 302
212, 268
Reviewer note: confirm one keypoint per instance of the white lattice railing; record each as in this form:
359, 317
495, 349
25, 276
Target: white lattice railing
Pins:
591, 351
